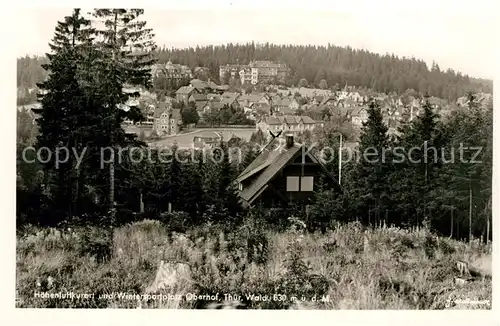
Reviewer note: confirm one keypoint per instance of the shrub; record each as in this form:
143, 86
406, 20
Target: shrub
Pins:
255, 241
96, 242
430, 246
446, 247
176, 221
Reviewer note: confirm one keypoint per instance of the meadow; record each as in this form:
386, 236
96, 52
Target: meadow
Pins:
185, 140
348, 267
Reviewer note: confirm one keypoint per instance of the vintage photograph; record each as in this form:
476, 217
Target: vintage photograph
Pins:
253, 159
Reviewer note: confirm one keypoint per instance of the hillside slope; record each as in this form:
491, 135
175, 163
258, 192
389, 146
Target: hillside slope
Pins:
337, 65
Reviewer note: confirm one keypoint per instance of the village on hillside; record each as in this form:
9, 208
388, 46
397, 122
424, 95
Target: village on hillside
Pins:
247, 176
271, 107
254, 99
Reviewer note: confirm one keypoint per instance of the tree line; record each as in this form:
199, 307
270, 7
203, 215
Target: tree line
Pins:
334, 66
445, 182
82, 102
316, 66
82, 109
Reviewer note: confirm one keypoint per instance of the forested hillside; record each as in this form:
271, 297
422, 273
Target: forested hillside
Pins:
338, 65
30, 71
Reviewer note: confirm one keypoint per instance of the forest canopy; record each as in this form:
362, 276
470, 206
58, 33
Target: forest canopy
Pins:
337, 66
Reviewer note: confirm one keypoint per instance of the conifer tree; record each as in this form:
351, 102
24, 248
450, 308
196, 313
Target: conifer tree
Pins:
61, 122
373, 167
463, 190
126, 37
250, 155
227, 200
416, 174
191, 190
122, 59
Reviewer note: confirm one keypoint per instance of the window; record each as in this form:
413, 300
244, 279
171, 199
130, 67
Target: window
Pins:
292, 183
306, 184
299, 183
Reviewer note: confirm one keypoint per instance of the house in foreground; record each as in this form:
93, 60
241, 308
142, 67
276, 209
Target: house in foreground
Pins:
284, 172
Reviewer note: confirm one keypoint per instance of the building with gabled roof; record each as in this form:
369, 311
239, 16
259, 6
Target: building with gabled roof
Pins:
330, 100
284, 172
167, 121
359, 115
286, 123
183, 93
202, 142
247, 100
196, 97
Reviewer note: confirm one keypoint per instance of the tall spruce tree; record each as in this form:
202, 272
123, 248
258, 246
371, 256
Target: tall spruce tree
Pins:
124, 50
123, 35
193, 199
60, 119
373, 168
416, 174
464, 183
226, 198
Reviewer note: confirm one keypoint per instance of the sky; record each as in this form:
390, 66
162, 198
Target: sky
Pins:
461, 40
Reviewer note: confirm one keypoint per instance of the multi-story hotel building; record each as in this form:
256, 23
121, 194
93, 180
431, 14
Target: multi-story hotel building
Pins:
256, 72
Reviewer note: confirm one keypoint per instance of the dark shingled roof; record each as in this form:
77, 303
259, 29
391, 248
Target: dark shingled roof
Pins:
270, 161
273, 158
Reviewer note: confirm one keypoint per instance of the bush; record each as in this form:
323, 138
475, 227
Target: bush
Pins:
250, 259
256, 242
446, 247
176, 221
430, 246
96, 242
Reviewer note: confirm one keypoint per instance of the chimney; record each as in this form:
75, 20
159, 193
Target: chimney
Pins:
289, 141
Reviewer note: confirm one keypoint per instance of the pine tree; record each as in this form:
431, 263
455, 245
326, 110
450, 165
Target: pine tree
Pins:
126, 37
227, 200
250, 156
174, 179
193, 199
373, 167
122, 58
416, 175
61, 122
464, 186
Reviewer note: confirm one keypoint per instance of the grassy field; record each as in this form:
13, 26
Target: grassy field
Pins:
349, 267
185, 140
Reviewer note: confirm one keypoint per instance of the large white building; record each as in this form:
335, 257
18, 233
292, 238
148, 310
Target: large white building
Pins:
255, 72
172, 71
